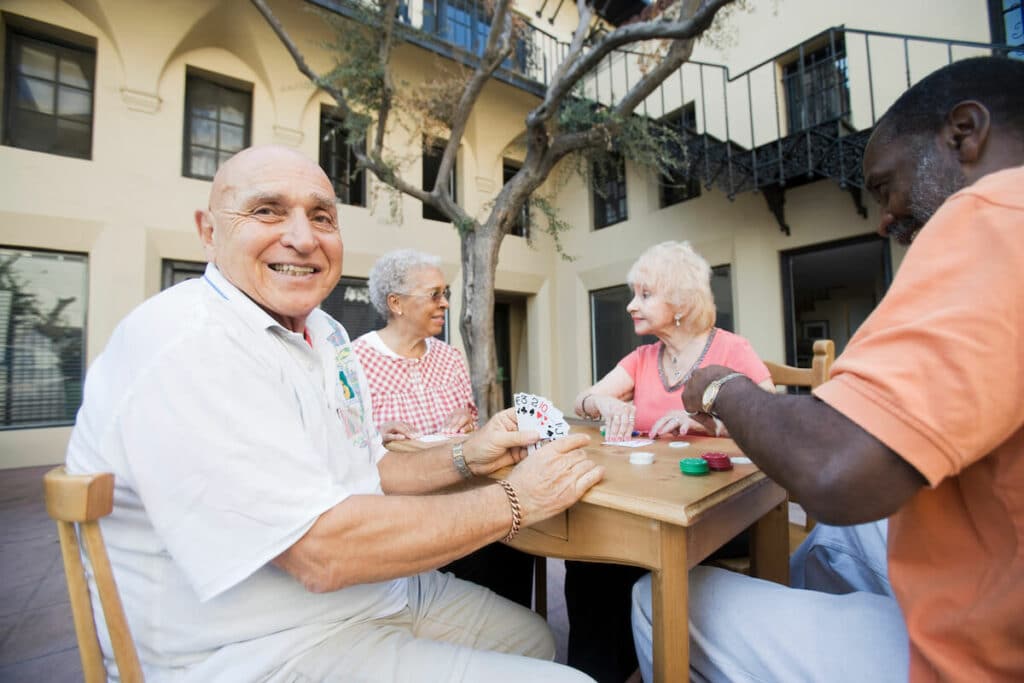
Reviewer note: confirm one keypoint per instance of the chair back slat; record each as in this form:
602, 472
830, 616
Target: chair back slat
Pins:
76, 503
814, 376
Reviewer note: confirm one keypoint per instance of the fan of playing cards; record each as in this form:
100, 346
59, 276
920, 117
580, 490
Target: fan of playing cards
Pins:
539, 414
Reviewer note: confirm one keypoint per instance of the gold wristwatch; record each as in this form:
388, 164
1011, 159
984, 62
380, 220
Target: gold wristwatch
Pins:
711, 392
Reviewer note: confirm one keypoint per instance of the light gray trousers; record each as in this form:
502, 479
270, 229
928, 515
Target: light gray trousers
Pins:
839, 623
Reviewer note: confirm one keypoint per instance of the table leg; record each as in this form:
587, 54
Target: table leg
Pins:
769, 546
669, 595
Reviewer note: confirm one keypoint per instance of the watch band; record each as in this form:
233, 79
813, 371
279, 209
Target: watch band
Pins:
460, 461
712, 389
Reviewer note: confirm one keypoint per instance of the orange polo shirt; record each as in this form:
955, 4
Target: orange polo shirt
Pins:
937, 374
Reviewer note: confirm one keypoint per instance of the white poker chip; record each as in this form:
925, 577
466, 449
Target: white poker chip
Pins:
678, 444
641, 457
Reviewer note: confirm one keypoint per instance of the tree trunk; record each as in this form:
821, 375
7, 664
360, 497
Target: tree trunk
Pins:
476, 321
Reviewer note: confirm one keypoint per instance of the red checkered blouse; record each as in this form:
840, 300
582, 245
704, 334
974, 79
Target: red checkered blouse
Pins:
422, 392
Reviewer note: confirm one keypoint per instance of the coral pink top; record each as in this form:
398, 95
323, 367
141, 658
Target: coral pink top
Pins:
653, 396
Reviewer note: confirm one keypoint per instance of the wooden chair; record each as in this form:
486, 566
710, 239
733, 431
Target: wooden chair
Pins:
76, 503
789, 376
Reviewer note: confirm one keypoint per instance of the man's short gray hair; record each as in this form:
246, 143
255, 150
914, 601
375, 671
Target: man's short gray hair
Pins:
391, 273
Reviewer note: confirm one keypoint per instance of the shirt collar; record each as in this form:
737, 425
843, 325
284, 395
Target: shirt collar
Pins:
241, 304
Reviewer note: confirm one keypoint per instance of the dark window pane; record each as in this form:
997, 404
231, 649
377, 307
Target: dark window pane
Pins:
73, 137
349, 304
217, 124
48, 95
431, 167
817, 88
74, 103
611, 329
338, 159
35, 95
232, 137
75, 74
42, 337
204, 132
175, 272
610, 193
521, 227
34, 61
203, 162
721, 290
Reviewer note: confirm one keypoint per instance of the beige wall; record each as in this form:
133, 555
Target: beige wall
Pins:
129, 207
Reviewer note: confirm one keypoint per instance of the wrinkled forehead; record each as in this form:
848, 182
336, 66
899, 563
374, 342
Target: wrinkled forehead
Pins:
270, 172
423, 277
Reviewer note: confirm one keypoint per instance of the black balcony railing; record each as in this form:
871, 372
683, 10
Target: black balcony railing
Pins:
799, 116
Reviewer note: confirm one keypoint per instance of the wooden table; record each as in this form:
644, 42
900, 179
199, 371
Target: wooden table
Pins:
653, 516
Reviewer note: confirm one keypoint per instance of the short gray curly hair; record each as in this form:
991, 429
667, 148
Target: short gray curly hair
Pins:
391, 271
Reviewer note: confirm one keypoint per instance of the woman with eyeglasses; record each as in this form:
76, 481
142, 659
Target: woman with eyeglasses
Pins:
419, 385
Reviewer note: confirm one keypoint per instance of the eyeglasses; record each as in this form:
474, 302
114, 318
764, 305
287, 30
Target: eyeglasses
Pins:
435, 295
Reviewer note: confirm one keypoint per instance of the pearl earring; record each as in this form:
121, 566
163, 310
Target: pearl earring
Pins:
679, 316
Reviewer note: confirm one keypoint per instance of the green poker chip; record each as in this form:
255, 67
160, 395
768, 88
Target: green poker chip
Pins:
693, 466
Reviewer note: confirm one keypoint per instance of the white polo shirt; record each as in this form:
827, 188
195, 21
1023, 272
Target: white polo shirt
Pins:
228, 437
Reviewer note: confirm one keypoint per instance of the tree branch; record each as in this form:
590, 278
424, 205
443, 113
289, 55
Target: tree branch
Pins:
384, 55
374, 163
683, 29
496, 51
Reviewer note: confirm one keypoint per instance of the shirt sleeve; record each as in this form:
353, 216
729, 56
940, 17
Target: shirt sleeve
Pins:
226, 471
743, 358
935, 372
631, 363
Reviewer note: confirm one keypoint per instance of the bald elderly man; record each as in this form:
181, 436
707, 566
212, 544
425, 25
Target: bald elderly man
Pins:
260, 529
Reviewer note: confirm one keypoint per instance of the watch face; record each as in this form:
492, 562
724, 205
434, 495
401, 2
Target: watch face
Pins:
710, 392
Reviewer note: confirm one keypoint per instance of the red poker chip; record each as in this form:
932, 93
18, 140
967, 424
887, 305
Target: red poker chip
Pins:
719, 462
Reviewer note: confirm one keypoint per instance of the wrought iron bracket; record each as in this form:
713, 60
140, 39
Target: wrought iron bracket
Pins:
858, 200
775, 196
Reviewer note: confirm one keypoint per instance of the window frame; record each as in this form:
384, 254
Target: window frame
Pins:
997, 15
223, 83
436, 151
171, 267
17, 31
684, 119
827, 55
599, 204
356, 179
521, 227
6, 356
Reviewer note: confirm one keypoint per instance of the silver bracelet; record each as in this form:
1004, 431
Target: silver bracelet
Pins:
460, 461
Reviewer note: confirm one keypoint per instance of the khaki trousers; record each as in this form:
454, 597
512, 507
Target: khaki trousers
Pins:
452, 630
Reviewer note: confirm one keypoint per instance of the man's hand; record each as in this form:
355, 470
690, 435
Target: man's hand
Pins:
459, 422
554, 477
397, 431
497, 444
693, 395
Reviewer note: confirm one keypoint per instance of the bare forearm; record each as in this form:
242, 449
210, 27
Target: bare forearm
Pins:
416, 472
838, 471
375, 538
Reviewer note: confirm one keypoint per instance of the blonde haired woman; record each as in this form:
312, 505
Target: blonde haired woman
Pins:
671, 300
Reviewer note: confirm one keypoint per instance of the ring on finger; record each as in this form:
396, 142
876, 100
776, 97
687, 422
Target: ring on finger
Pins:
694, 413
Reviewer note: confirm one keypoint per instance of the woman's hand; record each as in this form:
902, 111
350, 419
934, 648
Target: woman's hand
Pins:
397, 431
460, 421
674, 422
618, 416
